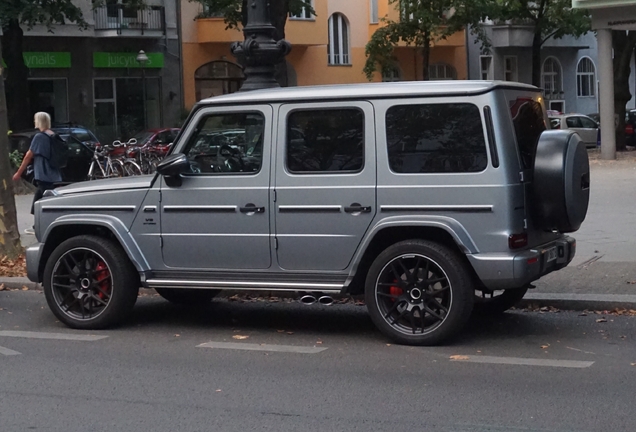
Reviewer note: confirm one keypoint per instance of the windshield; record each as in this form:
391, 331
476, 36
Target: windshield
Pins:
143, 137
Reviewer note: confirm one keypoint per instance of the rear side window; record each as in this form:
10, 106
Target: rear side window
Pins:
435, 138
527, 118
573, 122
325, 141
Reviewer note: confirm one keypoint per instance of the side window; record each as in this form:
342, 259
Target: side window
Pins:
435, 138
227, 143
321, 141
588, 123
573, 122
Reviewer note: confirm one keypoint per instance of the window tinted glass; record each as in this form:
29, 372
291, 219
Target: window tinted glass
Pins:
435, 138
527, 117
588, 123
325, 140
82, 135
573, 122
227, 143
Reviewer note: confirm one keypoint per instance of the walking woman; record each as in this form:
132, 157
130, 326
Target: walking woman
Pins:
40, 153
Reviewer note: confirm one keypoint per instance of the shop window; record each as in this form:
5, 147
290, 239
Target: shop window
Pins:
217, 78
338, 48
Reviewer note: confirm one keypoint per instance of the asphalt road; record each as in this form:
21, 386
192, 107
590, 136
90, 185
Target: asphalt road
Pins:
310, 368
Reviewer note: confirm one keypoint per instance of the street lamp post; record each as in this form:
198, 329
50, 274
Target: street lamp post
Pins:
259, 52
142, 59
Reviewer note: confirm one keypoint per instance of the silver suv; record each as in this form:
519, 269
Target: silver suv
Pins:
431, 199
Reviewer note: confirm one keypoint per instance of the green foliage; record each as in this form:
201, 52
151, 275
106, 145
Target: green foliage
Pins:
15, 158
45, 12
422, 22
232, 10
552, 18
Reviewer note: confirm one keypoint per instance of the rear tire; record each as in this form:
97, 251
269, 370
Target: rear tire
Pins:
419, 292
89, 283
498, 302
186, 296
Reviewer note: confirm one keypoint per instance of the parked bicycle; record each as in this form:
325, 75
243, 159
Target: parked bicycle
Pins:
112, 161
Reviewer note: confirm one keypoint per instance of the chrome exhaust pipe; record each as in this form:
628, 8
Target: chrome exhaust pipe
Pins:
308, 299
325, 300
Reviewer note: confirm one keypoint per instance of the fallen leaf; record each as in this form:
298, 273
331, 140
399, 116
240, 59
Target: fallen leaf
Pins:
177, 335
218, 390
280, 331
633, 364
546, 346
601, 320
459, 357
318, 342
290, 332
388, 344
240, 337
2, 288
25, 288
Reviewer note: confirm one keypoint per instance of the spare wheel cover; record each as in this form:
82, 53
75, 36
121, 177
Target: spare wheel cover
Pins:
561, 181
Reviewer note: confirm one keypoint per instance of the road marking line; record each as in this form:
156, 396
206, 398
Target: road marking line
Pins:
262, 347
524, 361
57, 336
7, 351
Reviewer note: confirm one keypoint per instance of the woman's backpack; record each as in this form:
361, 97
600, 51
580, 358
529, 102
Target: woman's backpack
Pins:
59, 151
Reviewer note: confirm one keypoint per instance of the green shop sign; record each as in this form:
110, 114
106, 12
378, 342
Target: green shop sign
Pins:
46, 60
125, 60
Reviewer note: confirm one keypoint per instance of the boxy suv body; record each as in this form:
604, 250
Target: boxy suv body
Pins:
428, 198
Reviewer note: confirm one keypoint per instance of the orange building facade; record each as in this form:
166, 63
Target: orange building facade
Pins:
327, 48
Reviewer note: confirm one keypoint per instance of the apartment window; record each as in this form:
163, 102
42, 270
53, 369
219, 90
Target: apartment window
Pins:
304, 13
552, 78
441, 71
510, 68
391, 75
585, 78
485, 63
374, 11
338, 49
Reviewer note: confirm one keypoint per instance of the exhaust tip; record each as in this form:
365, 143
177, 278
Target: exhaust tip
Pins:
308, 299
325, 300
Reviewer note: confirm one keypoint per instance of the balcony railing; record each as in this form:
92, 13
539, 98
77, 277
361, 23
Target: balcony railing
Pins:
121, 18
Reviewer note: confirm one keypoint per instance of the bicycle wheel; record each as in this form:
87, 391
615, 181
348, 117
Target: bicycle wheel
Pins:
117, 168
131, 168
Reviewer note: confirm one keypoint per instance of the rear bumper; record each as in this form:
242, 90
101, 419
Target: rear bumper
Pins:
33, 254
516, 270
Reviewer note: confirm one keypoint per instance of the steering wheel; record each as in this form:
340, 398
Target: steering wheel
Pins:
229, 159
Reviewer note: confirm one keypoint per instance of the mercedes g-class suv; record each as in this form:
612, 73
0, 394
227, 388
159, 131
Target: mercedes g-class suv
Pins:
430, 198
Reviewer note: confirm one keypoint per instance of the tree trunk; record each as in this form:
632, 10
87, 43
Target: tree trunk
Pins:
17, 75
9, 235
536, 57
426, 56
623, 44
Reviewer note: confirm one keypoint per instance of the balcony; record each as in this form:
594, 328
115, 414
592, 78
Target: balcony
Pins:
119, 20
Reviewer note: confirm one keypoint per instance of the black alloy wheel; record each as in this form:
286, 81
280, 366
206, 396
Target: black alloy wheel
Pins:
90, 283
419, 292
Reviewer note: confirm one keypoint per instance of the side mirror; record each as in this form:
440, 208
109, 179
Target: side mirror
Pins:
171, 168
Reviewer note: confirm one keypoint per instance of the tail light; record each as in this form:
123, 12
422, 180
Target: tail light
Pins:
629, 129
516, 241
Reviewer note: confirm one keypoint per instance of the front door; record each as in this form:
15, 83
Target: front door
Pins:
218, 217
325, 183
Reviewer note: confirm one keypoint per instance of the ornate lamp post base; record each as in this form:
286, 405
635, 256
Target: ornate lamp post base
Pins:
259, 52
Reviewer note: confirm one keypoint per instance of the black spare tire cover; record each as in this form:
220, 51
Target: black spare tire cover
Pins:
561, 182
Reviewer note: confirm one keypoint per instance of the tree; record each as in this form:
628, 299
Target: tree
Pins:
9, 235
234, 12
420, 23
548, 19
624, 43
14, 14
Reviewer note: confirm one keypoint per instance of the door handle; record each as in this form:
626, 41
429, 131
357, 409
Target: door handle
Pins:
251, 208
357, 208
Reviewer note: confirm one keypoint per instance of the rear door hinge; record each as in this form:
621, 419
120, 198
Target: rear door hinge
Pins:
161, 241
275, 197
525, 224
276, 243
522, 177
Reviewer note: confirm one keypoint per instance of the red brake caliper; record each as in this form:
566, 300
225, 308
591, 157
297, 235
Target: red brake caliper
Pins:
394, 290
101, 273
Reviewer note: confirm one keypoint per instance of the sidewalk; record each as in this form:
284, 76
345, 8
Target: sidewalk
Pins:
603, 273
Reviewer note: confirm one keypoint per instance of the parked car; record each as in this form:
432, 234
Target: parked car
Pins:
430, 198
586, 127
160, 139
81, 143
630, 125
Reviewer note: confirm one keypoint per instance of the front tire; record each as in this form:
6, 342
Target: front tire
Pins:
419, 292
89, 283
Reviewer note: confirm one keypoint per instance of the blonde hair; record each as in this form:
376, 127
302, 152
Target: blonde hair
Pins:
42, 120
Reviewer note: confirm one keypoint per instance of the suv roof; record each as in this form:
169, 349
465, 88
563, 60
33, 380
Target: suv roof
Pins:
368, 90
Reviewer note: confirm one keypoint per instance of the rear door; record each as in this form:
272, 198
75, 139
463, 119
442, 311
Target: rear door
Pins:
324, 183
